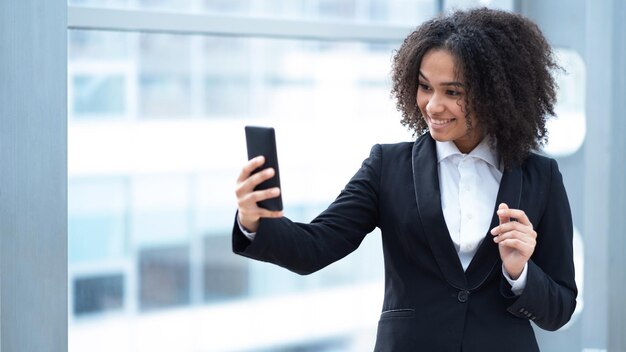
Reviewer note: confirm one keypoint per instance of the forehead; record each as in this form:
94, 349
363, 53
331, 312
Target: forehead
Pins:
438, 64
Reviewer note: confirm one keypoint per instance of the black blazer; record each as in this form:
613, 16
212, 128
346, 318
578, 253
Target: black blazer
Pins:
430, 303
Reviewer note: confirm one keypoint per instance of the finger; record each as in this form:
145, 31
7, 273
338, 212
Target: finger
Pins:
251, 182
252, 198
524, 248
257, 212
511, 226
516, 214
250, 166
503, 219
522, 236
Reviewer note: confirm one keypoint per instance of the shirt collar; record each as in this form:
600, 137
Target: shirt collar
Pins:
446, 149
482, 151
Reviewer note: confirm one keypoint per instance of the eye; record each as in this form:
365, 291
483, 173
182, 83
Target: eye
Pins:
423, 86
453, 93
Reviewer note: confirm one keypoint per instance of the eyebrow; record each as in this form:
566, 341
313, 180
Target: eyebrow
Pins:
454, 83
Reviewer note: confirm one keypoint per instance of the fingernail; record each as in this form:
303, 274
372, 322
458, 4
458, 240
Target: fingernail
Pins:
269, 171
500, 212
493, 231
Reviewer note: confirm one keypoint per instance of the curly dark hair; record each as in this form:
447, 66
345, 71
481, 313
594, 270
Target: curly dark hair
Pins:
506, 65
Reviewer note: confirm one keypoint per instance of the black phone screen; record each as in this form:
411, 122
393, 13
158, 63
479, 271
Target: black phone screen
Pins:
262, 141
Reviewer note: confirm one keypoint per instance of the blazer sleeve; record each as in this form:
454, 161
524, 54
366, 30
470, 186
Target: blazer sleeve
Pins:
549, 298
336, 232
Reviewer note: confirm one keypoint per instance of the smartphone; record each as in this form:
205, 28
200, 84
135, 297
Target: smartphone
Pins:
262, 141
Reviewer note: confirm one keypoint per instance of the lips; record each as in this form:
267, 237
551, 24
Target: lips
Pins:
440, 122
437, 123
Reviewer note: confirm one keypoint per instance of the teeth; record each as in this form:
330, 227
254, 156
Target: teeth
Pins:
439, 122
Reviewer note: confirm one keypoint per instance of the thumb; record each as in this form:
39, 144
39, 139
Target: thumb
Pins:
503, 219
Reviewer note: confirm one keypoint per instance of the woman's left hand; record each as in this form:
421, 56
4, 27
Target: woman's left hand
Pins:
516, 239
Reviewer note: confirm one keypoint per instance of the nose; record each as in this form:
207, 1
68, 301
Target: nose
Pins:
434, 105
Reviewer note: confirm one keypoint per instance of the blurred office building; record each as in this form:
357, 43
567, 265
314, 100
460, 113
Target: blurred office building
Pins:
156, 142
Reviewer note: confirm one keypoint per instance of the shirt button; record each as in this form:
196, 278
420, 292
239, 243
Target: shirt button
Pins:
469, 216
463, 296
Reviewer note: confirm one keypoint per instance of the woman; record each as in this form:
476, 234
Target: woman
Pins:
476, 228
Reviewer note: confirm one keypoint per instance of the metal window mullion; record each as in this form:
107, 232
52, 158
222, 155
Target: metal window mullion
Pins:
203, 24
33, 178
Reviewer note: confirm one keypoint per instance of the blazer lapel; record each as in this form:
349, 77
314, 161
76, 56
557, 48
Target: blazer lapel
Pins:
488, 256
428, 197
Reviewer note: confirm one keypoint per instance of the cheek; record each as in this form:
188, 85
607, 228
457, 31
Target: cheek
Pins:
458, 109
421, 102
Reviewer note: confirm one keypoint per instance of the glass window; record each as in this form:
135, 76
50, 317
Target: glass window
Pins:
155, 144
99, 293
225, 276
97, 219
567, 131
159, 213
164, 277
152, 199
98, 95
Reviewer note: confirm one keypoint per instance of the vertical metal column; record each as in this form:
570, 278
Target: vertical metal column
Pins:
616, 86
598, 166
33, 176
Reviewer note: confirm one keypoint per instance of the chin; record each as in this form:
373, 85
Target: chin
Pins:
438, 137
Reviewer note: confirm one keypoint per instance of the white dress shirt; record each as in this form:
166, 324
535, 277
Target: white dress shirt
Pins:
469, 186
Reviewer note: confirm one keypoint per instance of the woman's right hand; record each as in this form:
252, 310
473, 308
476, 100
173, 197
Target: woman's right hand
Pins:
249, 212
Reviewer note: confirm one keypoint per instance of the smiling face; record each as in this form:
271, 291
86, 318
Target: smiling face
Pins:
441, 99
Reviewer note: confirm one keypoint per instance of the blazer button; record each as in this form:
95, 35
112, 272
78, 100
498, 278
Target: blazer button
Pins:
463, 296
